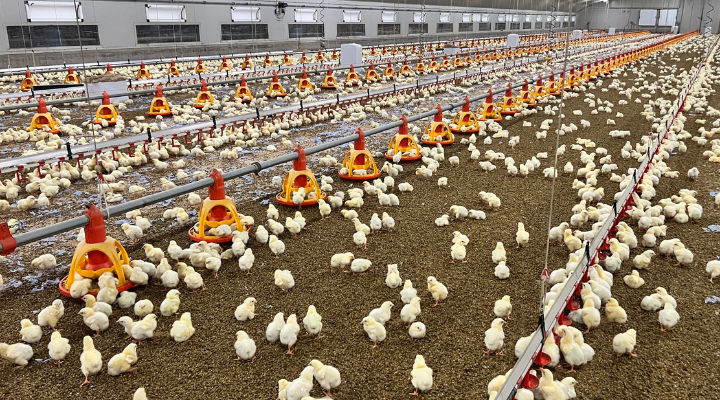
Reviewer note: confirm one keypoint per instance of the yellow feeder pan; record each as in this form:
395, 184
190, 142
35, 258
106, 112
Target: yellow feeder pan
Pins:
304, 84
458, 62
286, 60
405, 69
300, 178
320, 57
96, 255
303, 59
434, 64
159, 105
371, 75
28, 82
329, 82
267, 62
200, 67
552, 88
359, 158
437, 131
173, 69
526, 97
508, 105
109, 70
420, 67
43, 118
352, 78
335, 56
71, 77
204, 96
465, 119
389, 72
143, 72
445, 63
216, 210
106, 111
225, 65
276, 89
247, 64
403, 142
243, 92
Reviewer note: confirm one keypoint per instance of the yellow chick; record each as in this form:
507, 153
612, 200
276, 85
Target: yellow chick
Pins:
668, 317
503, 308
276, 246
50, 315
392, 279
458, 252
550, 389
144, 329
572, 351
90, 359
713, 266
244, 346
288, 333
522, 236
437, 289
375, 331
96, 321
634, 280
140, 394
143, 308
18, 353
614, 312
410, 311
590, 315
571, 241
59, 347
122, 362
30, 332
417, 330
246, 261
642, 261
272, 333
292, 226
193, 280
170, 304
494, 337
313, 322
499, 254
624, 343
327, 376
246, 310
284, 279
182, 329
421, 376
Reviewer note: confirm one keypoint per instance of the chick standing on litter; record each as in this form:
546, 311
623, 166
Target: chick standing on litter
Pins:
327, 376
244, 346
182, 329
90, 359
288, 333
171, 304
375, 331
421, 376
284, 279
58, 347
246, 310
437, 289
30, 332
494, 337
313, 322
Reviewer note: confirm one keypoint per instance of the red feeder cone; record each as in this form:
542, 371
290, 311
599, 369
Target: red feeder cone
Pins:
173, 70
28, 82
200, 67
96, 255
359, 163
300, 188
216, 210
109, 70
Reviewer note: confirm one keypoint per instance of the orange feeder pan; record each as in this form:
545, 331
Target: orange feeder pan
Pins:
359, 158
466, 118
96, 255
159, 105
403, 141
438, 128
216, 210
329, 82
299, 177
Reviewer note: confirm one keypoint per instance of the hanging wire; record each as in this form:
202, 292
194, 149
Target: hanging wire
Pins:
25, 46
557, 141
103, 199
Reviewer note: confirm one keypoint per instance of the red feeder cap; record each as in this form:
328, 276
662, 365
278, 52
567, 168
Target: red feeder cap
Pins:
404, 127
275, 77
508, 92
489, 99
224, 59
466, 106
352, 68
204, 86
142, 64
159, 92
109, 67
106, 99
304, 75
27, 73
372, 66
300, 163
217, 190
525, 85
360, 142
242, 81
95, 229
199, 60
329, 71
42, 107
438, 116
70, 70
172, 63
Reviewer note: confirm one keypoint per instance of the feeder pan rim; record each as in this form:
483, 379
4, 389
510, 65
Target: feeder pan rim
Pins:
360, 177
